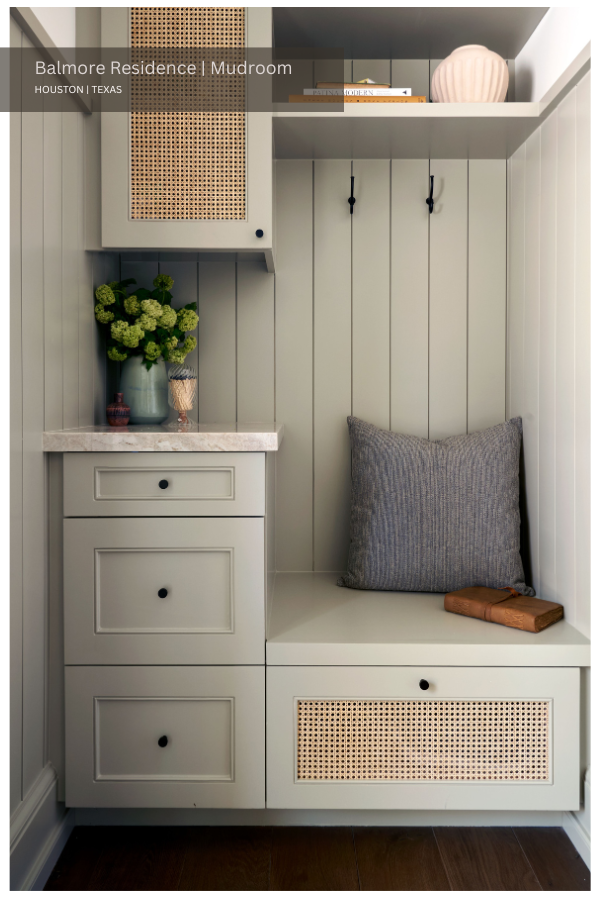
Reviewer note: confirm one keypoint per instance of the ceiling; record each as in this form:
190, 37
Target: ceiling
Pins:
406, 32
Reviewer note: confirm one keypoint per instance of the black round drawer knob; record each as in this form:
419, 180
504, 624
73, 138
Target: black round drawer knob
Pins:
163, 741
424, 685
259, 232
163, 593
164, 484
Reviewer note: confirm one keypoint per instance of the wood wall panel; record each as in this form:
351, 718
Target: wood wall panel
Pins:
413, 74
371, 292
332, 363
294, 364
549, 347
71, 261
531, 326
255, 343
448, 300
16, 454
583, 357
547, 377
566, 188
34, 482
52, 212
486, 350
216, 342
409, 338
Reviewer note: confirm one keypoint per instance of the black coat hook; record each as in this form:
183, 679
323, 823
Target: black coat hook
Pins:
430, 201
351, 198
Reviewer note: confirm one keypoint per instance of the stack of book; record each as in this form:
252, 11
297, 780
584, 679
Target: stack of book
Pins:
355, 92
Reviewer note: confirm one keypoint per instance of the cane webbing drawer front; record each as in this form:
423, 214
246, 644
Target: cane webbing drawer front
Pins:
189, 164
423, 740
164, 484
369, 737
150, 736
155, 591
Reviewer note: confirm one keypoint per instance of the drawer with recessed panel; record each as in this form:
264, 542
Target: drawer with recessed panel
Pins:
155, 591
164, 484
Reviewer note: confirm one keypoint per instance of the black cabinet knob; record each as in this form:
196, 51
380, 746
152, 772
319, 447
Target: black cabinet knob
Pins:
259, 232
163, 741
163, 484
424, 685
163, 593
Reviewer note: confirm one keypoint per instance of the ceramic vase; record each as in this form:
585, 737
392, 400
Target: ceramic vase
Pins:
471, 74
117, 413
145, 391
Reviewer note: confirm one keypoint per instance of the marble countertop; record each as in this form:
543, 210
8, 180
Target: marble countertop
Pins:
228, 437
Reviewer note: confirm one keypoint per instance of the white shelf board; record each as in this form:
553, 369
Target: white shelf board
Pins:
405, 130
313, 622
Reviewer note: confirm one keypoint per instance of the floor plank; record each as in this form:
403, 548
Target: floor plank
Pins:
140, 859
313, 859
485, 859
399, 859
78, 859
554, 859
227, 859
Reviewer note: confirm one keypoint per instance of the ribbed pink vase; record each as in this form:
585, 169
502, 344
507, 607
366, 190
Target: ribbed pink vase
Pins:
471, 74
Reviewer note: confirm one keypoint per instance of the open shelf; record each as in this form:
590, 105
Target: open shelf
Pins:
313, 622
405, 131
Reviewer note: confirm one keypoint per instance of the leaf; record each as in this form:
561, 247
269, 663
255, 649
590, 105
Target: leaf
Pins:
127, 281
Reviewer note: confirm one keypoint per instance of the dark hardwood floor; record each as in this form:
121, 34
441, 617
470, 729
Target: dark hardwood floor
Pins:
318, 859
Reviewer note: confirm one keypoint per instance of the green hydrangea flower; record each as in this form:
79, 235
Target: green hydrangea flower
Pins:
132, 336
103, 315
163, 282
113, 284
147, 323
119, 329
104, 295
113, 353
152, 350
189, 344
187, 319
152, 308
176, 356
168, 319
132, 305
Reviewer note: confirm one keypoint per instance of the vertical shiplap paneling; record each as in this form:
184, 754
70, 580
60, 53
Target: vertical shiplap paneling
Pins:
371, 292
566, 191
141, 266
87, 322
294, 364
255, 343
413, 74
547, 372
55, 669
409, 361
16, 452
582, 357
531, 328
332, 364
71, 262
216, 342
516, 306
448, 300
34, 463
378, 70
53, 330
486, 326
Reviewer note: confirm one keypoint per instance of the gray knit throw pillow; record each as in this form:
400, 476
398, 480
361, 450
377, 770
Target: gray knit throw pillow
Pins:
435, 515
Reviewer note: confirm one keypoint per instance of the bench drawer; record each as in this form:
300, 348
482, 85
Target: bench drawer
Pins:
165, 736
150, 591
422, 738
164, 484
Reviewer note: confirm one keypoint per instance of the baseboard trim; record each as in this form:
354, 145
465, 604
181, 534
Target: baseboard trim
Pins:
308, 817
578, 837
39, 829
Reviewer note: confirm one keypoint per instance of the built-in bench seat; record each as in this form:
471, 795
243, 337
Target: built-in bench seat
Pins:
314, 622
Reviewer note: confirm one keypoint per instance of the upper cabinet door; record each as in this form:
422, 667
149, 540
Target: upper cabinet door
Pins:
187, 180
